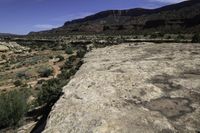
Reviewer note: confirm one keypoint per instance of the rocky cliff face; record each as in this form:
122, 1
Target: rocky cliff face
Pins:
140, 87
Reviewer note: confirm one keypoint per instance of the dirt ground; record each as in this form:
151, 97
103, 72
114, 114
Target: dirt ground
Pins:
30, 63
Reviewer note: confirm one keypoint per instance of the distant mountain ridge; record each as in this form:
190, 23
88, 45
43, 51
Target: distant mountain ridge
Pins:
182, 17
6, 34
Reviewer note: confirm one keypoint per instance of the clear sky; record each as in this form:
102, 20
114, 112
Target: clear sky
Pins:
23, 16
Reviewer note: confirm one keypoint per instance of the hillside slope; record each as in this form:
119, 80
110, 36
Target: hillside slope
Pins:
183, 17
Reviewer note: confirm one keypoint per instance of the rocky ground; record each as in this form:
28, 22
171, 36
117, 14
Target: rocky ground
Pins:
132, 88
12, 46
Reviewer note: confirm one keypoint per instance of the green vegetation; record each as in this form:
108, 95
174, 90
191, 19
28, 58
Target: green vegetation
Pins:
81, 53
28, 69
196, 38
25, 68
18, 83
3, 56
180, 37
45, 72
60, 57
13, 107
69, 50
50, 91
153, 36
22, 75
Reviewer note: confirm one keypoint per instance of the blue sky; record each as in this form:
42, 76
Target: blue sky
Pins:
23, 16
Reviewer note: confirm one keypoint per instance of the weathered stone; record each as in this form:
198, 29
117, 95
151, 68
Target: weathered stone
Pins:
3, 48
113, 92
12, 46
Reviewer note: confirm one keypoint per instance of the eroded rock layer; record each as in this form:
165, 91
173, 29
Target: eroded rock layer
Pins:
132, 88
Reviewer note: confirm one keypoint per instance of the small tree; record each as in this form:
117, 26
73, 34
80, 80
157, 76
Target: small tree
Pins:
196, 38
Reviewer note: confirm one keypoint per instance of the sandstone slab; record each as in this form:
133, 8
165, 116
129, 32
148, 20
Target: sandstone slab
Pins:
132, 88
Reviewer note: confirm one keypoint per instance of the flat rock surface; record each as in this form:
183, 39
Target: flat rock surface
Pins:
132, 88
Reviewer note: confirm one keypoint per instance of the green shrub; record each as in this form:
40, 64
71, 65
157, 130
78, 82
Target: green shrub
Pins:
60, 57
51, 57
72, 58
13, 107
180, 37
22, 74
3, 56
18, 83
66, 74
41, 81
69, 50
196, 38
72, 72
81, 53
79, 64
45, 72
153, 36
68, 64
50, 91
168, 37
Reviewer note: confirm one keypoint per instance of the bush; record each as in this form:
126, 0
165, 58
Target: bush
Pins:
41, 81
45, 72
68, 64
18, 83
72, 58
153, 36
81, 53
160, 34
3, 56
50, 57
169, 37
50, 91
60, 57
66, 74
69, 50
13, 107
22, 74
180, 37
196, 38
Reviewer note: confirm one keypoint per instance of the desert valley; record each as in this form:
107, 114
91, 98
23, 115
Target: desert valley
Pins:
117, 71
